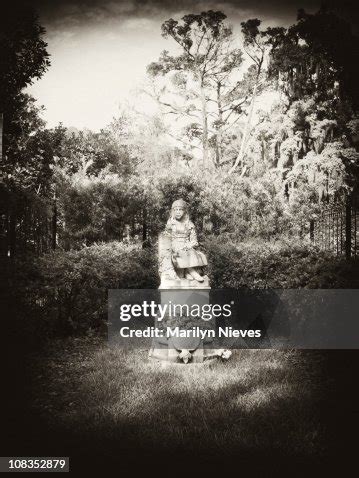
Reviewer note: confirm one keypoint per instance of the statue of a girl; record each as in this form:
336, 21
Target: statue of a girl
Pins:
178, 255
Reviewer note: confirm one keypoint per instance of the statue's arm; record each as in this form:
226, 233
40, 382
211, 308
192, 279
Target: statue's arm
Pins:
168, 229
193, 236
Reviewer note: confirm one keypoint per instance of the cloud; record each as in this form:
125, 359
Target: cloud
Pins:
89, 12
75, 13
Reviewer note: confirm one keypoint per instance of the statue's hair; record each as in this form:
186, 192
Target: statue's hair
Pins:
181, 203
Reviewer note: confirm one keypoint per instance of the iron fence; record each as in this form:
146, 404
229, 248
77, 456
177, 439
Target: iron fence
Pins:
336, 230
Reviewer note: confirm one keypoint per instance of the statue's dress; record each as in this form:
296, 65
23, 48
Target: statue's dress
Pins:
184, 240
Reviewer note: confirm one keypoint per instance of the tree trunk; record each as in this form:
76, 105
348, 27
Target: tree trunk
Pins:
311, 230
4, 247
219, 132
348, 227
144, 227
242, 149
1, 133
204, 127
54, 225
12, 234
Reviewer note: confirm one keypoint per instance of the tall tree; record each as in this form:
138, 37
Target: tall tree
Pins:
255, 47
203, 72
23, 56
313, 62
316, 56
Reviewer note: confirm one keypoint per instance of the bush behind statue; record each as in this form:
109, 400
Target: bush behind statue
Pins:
277, 265
111, 208
65, 292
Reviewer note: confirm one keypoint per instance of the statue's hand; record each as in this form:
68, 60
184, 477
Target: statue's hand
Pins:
185, 355
185, 247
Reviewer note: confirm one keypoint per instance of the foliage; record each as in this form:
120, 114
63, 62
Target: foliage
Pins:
98, 151
23, 57
23, 54
67, 291
26, 158
136, 208
316, 56
291, 265
32, 152
201, 85
102, 209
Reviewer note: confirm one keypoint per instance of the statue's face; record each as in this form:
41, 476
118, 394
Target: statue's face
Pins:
178, 212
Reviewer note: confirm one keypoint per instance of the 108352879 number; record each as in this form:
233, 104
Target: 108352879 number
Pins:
34, 463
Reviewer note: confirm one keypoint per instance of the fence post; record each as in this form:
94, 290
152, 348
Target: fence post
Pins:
54, 224
12, 233
144, 226
1, 134
348, 227
311, 230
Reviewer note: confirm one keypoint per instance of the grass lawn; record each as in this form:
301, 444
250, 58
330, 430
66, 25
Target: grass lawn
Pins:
260, 400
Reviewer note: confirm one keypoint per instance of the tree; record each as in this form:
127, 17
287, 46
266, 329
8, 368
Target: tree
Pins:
312, 63
23, 54
255, 47
204, 74
28, 178
23, 57
316, 56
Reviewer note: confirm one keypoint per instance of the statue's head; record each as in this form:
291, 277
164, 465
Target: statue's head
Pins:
179, 210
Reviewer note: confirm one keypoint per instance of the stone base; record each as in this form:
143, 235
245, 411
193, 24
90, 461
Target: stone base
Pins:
175, 350
184, 284
166, 363
198, 357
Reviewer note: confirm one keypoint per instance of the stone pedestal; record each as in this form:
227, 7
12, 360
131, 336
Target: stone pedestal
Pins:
179, 284
183, 350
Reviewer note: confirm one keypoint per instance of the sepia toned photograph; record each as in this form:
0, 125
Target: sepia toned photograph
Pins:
179, 244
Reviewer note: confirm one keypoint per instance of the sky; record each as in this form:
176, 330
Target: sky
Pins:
100, 49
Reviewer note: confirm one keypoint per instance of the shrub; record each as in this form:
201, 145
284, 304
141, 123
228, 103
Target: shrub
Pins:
65, 292
68, 289
284, 265
110, 208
